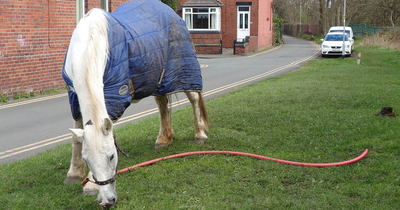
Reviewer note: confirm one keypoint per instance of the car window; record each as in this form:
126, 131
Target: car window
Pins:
347, 32
335, 37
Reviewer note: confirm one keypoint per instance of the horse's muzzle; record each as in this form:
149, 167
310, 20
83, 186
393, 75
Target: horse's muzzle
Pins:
108, 204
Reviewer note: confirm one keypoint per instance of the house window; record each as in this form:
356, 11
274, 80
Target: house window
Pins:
202, 18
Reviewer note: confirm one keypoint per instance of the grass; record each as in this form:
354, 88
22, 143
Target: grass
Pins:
3, 98
323, 113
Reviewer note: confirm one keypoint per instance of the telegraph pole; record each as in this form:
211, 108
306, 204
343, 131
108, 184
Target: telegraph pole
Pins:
300, 17
344, 30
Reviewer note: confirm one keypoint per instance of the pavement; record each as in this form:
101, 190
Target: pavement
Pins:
226, 53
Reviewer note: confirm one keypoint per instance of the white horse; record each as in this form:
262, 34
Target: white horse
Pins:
95, 45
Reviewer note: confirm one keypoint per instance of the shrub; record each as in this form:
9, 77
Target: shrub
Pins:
386, 38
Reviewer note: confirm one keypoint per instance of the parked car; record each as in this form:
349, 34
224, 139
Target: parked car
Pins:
332, 44
348, 31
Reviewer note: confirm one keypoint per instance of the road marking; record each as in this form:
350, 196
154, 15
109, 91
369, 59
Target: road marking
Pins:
67, 136
4, 106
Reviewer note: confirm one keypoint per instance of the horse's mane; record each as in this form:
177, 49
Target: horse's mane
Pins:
93, 30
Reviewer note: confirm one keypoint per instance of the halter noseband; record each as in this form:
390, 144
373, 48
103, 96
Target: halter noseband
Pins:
112, 179
108, 181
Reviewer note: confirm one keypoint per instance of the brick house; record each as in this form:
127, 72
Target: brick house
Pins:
243, 25
34, 34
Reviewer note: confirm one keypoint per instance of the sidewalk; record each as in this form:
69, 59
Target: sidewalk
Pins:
226, 53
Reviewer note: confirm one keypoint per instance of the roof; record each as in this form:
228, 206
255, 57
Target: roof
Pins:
202, 3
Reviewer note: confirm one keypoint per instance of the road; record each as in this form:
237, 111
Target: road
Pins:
34, 125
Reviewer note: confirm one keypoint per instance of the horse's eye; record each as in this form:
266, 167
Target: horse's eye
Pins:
112, 157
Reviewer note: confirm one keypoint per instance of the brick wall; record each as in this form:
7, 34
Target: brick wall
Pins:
34, 38
33, 42
265, 24
206, 43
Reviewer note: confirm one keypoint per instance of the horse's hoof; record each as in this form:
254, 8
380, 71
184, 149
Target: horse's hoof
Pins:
71, 180
90, 192
160, 146
200, 141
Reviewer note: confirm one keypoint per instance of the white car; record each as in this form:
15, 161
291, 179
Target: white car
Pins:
332, 44
348, 31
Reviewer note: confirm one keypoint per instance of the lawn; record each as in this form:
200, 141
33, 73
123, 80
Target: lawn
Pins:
323, 113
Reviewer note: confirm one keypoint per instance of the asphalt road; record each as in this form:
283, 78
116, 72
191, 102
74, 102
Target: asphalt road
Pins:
30, 126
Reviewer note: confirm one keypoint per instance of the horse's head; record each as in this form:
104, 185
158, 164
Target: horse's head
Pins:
100, 153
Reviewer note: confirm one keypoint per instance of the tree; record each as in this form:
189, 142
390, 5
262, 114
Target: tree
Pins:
171, 3
327, 13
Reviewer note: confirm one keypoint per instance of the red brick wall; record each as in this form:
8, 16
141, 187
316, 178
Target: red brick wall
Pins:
33, 41
265, 24
206, 43
34, 37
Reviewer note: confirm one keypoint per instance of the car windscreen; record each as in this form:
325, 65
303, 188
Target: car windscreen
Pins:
335, 37
347, 32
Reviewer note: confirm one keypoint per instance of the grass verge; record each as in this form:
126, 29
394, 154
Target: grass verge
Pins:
323, 113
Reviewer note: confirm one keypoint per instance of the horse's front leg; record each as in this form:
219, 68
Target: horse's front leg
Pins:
201, 121
166, 132
77, 168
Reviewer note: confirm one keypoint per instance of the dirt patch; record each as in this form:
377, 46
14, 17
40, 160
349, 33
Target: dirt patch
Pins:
386, 111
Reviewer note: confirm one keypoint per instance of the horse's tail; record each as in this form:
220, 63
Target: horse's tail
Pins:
203, 112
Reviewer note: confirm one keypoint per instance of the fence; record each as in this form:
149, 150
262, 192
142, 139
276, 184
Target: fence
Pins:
294, 29
362, 29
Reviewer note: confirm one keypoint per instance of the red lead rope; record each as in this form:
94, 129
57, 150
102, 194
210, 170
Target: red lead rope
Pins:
320, 165
246, 154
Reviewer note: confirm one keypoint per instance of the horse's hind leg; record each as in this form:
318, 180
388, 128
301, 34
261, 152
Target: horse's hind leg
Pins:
78, 166
166, 132
200, 116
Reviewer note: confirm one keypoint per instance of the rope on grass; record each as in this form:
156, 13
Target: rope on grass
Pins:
319, 165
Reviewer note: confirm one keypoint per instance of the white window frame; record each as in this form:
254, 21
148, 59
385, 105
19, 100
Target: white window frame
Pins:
188, 12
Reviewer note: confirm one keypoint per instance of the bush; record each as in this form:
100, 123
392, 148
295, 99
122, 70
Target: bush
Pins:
277, 36
386, 38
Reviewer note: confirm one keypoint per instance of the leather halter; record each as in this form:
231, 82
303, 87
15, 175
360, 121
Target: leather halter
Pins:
108, 181
112, 179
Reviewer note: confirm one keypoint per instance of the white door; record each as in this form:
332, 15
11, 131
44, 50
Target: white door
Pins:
243, 27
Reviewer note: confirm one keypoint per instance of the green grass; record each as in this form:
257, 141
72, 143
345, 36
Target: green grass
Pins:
322, 113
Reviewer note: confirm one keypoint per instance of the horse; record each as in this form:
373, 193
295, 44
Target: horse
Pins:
141, 49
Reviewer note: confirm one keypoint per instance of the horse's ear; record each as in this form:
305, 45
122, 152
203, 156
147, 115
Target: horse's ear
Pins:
78, 133
107, 126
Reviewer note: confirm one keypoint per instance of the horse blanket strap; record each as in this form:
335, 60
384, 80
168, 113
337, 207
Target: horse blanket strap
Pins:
151, 53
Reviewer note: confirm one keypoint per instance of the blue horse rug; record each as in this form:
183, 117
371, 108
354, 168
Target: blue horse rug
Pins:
151, 53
